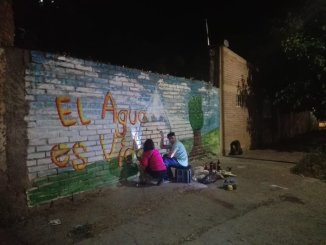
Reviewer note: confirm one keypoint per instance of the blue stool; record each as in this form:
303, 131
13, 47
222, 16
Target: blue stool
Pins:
183, 175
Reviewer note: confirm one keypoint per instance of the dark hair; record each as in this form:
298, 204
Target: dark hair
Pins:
149, 145
170, 134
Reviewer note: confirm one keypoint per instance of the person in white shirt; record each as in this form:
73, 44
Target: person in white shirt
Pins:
177, 156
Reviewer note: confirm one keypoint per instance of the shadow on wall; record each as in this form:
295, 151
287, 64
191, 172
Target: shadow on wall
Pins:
254, 96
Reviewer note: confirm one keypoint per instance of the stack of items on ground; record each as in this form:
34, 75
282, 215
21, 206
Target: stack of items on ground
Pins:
212, 172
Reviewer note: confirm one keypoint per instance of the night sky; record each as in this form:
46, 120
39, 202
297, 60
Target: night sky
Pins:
160, 36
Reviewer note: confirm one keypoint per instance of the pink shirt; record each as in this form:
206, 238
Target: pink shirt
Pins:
153, 159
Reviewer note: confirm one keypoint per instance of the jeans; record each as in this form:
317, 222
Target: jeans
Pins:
171, 163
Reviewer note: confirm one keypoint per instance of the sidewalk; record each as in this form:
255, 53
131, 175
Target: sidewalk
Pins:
270, 206
272, 155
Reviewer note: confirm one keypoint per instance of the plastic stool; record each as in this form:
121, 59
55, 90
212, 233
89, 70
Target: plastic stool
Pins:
183, 175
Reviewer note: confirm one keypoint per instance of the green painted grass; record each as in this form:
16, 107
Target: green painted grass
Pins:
66, 184
98, 174
210, 141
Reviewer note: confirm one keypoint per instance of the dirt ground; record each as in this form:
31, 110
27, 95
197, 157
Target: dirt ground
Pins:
270, 206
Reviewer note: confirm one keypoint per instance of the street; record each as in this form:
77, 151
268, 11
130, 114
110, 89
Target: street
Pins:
270, 206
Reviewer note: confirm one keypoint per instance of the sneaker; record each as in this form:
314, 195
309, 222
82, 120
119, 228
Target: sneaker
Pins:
163, 181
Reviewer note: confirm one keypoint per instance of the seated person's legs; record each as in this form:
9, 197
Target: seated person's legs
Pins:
160, 175
171, 163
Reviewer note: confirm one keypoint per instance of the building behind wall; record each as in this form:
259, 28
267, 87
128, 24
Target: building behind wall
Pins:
244, 118
233, 81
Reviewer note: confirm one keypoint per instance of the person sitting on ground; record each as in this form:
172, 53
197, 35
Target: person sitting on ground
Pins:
177, 156
235, 148
151, 163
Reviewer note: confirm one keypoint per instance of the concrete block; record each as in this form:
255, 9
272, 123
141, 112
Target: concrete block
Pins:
44, 161
91, 74
74, 72
85, 90
96, 158
43, 148
58, 140
77, 138
30, 163
64, 64
88, 132
36, 155
83, 68
34, 169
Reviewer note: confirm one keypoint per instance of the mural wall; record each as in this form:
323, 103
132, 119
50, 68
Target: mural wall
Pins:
86, 121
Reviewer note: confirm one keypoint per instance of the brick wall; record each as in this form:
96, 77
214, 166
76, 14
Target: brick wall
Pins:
234, 115
86, 118
251, 127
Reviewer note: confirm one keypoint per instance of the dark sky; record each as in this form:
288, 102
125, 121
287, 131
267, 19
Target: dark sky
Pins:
161, 36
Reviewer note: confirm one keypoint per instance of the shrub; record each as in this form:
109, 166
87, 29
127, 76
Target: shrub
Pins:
313, 164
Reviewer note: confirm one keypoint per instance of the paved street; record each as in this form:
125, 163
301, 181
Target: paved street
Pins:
270, 206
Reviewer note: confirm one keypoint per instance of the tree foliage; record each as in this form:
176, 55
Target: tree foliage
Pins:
196, 115
302, 39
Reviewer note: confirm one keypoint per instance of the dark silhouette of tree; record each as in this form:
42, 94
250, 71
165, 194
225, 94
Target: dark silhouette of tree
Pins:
292, 60
304, 46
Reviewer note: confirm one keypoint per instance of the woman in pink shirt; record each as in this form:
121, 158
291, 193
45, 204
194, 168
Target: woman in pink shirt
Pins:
151, 162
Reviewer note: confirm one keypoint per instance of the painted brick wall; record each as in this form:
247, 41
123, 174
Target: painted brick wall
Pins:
234, 76
86, 118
